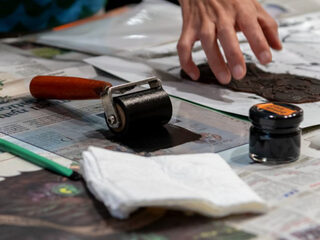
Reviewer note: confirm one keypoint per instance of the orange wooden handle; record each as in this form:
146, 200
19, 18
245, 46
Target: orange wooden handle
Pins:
71, 88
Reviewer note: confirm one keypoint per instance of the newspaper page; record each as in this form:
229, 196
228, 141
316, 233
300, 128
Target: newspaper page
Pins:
67, 128
292, 191
18, 66
62, 130
49, 125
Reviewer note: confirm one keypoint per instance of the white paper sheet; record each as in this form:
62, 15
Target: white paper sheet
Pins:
150, 23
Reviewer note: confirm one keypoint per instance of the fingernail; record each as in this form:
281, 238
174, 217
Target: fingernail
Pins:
237, 72
223, 77
265, 57
193, 76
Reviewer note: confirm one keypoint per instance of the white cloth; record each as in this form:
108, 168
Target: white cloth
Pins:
203, 183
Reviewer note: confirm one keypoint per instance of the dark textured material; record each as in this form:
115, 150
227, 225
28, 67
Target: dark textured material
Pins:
272, 86
144, 110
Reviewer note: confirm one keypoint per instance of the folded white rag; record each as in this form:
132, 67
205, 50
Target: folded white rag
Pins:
203, 183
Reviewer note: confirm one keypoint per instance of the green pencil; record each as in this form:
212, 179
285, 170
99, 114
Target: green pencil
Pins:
36, 159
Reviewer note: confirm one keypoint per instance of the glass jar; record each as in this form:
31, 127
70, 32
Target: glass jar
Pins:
275, 136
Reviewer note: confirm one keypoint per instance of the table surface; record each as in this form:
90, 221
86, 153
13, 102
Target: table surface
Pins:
41, 205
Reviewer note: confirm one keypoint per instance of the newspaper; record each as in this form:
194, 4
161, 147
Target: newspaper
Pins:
17, 67
293, 191
61, 131
50, 125
48, 128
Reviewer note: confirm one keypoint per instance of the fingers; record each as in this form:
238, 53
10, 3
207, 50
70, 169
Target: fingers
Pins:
211, 20
255, 36
229, 42
184, 48
215, 58
270, 30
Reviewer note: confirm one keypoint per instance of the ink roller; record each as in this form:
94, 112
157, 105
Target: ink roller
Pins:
126, 109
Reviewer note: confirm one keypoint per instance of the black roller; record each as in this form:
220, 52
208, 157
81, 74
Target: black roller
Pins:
142, 110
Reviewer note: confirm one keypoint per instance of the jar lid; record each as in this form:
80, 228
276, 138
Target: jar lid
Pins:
274, 115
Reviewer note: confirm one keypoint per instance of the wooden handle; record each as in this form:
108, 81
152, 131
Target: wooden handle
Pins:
70, 88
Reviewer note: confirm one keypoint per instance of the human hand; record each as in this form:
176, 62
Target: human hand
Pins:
212, 20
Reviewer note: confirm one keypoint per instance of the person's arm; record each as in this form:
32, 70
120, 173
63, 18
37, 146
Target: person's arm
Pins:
212, 20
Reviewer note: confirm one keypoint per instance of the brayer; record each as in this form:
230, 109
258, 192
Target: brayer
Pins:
126, 108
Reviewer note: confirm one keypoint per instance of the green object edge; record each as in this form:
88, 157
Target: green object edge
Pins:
34, 158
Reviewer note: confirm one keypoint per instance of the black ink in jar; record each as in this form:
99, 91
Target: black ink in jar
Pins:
275, 136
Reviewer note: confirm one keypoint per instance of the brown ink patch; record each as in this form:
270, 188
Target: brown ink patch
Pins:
280, 87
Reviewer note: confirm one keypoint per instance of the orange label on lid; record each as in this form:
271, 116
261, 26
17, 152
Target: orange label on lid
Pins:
280, 110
